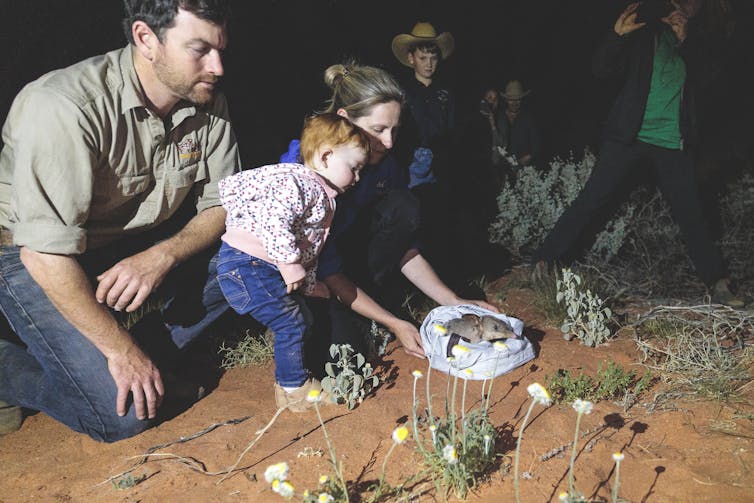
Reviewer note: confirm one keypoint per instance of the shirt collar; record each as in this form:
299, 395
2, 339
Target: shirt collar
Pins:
133, 94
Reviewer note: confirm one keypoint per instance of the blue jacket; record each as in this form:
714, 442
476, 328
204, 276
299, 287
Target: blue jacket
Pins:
376, 180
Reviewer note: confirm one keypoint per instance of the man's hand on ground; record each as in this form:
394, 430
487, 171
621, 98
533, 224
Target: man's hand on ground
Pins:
128, 283
135, 373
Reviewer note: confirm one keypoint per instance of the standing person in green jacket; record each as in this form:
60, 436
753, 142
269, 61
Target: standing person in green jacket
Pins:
653, 121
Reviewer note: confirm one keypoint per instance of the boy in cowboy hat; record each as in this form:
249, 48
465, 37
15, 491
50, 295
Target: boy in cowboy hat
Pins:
516, 126
431, 105
427, 123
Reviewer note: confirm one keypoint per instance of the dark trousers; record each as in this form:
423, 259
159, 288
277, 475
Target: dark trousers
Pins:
675, 177
371, 249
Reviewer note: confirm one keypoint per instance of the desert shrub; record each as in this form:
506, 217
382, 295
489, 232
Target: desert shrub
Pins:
737, 214
252, 350
611, 382
586, 315
699, 350
350, 378
530, 204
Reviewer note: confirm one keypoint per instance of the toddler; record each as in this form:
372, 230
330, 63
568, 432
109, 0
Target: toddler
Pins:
278, 218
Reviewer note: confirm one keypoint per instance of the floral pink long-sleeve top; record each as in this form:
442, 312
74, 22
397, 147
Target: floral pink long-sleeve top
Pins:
280, 213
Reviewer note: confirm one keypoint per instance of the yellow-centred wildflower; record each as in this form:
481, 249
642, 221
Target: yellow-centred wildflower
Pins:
417, 374
449, 454
563, 496
400, 434
459, 351
314, 396
284, 488
323, 479
278, 471
618, 456
539, 394
582, 406
325, 498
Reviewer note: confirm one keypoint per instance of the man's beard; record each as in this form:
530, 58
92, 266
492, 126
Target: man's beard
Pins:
192, 92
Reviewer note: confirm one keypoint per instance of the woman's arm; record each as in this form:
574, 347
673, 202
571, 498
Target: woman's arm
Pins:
358, 300
419, 272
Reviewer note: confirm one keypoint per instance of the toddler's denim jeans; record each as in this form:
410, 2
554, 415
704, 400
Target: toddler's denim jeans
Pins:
254, 286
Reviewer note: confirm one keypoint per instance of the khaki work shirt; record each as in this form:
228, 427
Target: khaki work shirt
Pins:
85, 162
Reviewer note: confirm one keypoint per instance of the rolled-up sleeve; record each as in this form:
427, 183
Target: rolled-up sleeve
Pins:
54, 153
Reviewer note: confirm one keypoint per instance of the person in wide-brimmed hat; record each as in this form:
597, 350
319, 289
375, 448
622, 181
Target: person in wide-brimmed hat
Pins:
427, 124
514, 90
516, 127
422, 35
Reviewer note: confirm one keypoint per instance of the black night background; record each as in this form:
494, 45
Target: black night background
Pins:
278, 50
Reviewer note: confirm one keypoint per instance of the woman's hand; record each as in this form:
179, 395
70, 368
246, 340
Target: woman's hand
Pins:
409, 336
481, 303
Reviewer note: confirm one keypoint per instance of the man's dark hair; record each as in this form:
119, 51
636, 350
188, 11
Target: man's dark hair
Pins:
159, 15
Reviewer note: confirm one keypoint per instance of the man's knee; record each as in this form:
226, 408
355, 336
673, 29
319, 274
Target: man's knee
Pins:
112, 427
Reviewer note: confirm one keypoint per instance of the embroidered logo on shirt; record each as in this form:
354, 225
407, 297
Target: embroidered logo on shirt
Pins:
188, 150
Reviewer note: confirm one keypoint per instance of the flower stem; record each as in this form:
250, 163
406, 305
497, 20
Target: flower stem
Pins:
489, 391
333, 457
384, 467
518, 449
573, 454
453, 409
463, 413
617, 482
429, 397
419, 442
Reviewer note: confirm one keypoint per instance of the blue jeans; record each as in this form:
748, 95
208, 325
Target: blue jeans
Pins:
60, 372
253, 286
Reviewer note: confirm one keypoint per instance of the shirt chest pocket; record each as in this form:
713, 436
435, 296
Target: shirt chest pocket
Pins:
186, 175
134, 184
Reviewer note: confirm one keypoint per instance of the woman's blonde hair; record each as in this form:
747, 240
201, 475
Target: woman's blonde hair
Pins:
332, 130
357, 89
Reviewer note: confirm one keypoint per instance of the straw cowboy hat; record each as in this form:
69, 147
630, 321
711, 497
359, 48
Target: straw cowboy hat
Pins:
514, 90
422, 33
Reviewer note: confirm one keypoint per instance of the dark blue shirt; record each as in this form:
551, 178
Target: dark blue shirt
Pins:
376, 180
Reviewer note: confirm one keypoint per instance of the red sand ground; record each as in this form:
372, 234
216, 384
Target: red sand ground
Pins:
700, 451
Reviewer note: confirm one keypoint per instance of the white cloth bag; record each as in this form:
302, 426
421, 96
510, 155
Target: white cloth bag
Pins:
483, 359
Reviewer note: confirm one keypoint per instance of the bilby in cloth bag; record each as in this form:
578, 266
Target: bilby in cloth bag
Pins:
483, 358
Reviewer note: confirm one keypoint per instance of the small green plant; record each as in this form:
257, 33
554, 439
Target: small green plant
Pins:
377, 341
610, 383
460, 449
566, 387
128, 481
545, 291
587, 316
252, 350
350, 378
151, 305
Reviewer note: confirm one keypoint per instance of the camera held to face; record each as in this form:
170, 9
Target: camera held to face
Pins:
652, 11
